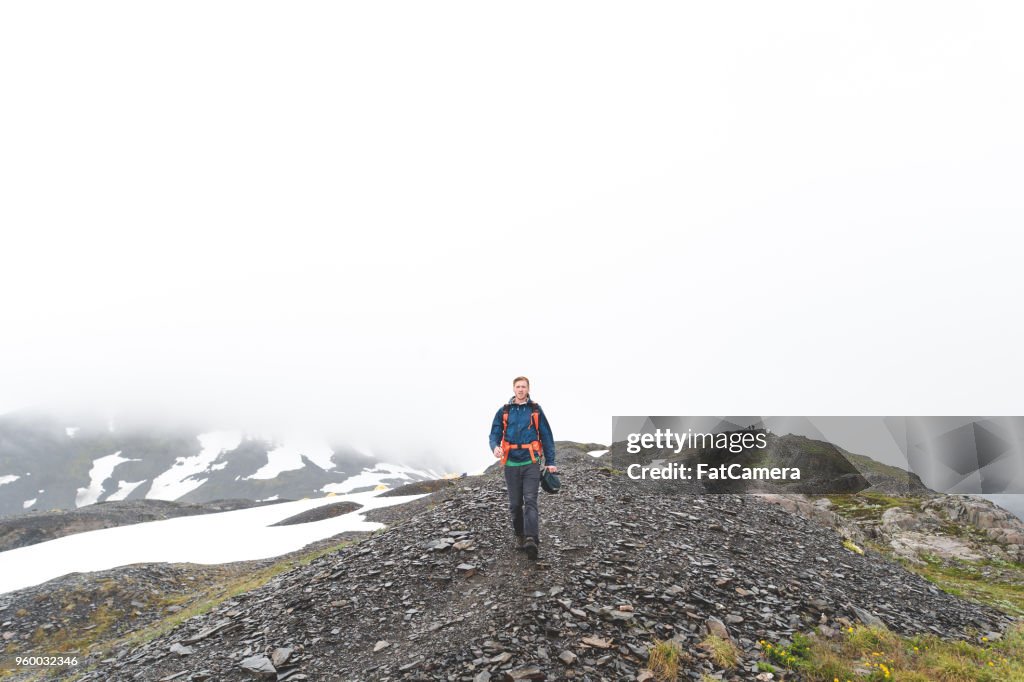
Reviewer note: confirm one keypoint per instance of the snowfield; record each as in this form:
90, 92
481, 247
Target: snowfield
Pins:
239, 535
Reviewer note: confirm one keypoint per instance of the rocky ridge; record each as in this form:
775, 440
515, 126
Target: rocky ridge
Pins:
327, 511
36, 527
442, 595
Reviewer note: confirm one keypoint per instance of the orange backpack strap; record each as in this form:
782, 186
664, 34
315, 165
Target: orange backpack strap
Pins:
504, 427
536, 445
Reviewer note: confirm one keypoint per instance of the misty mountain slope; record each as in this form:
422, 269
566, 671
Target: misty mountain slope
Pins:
441, 594
46, 464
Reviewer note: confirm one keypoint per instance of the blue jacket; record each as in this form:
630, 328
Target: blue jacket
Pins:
520, 430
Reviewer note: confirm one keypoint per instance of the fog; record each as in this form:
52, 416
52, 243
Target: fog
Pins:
365, 220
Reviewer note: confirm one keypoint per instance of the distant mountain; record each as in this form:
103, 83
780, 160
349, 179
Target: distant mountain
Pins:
48, 462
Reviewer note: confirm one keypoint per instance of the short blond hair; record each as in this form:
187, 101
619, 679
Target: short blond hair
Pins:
518, 379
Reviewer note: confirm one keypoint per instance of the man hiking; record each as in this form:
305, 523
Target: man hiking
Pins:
521, 438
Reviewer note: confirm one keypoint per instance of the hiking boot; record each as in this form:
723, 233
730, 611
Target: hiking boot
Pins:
530, 547
520, 540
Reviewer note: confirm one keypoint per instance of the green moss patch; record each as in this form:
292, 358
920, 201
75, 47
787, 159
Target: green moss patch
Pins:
869, 506
999, 584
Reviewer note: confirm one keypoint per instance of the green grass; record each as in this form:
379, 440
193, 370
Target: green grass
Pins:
999, 584
877, 655
723, 652
664, 658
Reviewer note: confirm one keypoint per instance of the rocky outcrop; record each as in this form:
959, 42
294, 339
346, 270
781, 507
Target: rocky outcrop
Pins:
997, 523
327, 511
419, 487
817, 510
946, 526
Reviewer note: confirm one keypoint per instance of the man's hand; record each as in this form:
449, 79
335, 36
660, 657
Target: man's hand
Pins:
497, 451
552, 469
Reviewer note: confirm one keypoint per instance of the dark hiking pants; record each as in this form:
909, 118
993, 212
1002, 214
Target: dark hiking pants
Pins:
523, 483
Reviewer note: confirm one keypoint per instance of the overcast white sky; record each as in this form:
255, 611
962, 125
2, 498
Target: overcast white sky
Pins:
368, 217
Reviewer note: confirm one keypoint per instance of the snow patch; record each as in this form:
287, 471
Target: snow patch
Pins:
28, 503
597, 453
176, 481
375, 476
101, 470
8, 479
71, 431
288, 457
239, 535
124, 489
